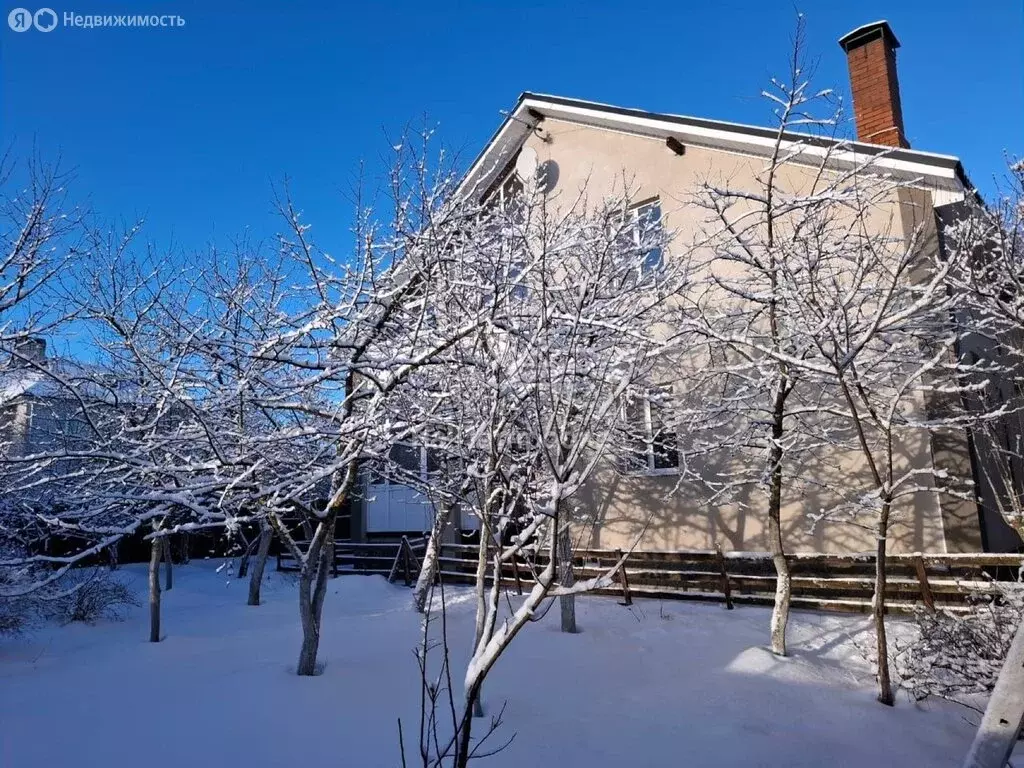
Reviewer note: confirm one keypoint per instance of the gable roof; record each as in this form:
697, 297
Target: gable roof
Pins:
532, 108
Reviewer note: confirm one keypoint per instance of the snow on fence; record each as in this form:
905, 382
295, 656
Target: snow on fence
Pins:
821, 581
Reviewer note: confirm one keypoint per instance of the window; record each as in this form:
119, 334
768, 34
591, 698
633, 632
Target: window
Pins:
405, 462
507, 196
511, 193
645, 232
515, 272
652, 445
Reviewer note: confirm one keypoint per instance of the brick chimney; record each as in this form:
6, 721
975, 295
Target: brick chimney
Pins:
32, 348
871, 54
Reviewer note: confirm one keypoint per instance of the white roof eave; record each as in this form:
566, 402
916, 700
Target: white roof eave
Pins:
937, 168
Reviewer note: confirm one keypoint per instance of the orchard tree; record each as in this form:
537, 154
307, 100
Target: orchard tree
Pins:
43, 241
755, 339
574, 292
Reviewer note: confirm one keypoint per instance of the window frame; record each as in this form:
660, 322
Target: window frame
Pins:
650, 454
632, 225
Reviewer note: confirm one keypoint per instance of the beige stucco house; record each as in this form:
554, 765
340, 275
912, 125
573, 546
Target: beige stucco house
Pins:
666, 156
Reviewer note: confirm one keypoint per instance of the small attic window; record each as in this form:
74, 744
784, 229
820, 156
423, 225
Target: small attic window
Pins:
510, 191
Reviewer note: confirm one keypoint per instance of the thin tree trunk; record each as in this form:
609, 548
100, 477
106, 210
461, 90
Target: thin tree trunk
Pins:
430, 559
168, 565
783, 578
567, 603
885, 694
155, 549
256, 581
478, 705
312, 590
243, 561
465, 736
475, 696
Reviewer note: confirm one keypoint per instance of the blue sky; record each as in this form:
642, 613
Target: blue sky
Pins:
189, 126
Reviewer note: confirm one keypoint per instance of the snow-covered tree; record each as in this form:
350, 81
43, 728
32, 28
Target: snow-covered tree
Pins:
752, 397
361, 330
835, 336
574, 292
987, 239
43, 240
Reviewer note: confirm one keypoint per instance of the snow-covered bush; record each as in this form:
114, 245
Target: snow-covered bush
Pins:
958, 656
94, 595
16, 615
17, 612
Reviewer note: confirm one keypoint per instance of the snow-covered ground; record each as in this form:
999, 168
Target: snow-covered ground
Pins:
658, 684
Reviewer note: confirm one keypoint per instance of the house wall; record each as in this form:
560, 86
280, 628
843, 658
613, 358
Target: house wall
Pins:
617, 508
15, 419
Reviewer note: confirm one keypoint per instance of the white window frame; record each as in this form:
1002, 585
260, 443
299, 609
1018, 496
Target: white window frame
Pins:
649, 454
633, 220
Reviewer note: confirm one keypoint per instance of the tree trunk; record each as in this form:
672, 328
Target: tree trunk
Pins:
462, 754
428, 573
885, 694
155, 548
565, 577
783, 578
168, 565
312, 590
256, 582
243, 561
475, 697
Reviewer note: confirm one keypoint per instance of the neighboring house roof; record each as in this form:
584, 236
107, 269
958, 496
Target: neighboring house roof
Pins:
940, 171
31, 382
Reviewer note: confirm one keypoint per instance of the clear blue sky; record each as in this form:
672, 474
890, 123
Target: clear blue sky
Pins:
190, 126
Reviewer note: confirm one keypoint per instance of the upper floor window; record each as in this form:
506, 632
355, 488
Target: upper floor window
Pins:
507, 196
517, 280
405, 462
646, 232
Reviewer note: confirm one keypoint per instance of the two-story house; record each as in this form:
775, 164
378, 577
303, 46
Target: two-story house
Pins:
666, 156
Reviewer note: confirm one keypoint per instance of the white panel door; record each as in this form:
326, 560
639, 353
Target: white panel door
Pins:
392, 507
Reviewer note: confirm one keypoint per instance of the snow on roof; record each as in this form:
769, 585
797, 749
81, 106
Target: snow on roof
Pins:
19, 382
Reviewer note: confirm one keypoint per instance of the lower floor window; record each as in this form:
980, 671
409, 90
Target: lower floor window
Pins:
653, 447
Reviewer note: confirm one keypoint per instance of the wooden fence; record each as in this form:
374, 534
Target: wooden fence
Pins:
820, 581
389, 558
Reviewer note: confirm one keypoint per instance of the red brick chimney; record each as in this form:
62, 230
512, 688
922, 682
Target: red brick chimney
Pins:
871, 53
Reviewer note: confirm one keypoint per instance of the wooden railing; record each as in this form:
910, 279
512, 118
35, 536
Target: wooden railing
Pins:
367, 557
820, 581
